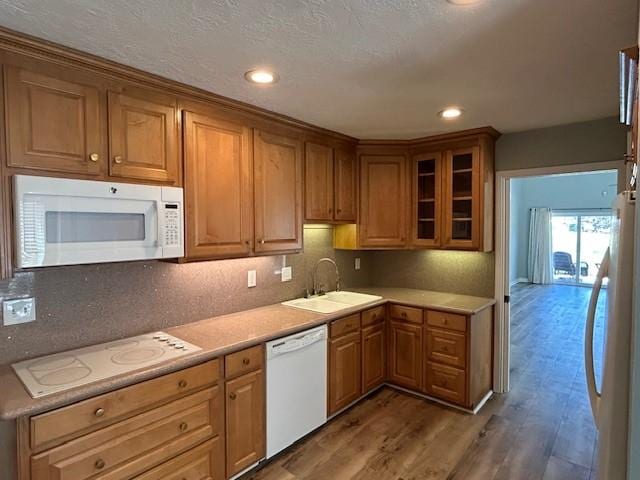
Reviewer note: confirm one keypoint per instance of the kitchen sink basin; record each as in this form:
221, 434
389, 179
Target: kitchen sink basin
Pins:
332, 301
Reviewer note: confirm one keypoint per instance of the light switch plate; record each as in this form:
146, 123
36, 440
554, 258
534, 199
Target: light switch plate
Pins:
286, 274
357, 263
20, 310
251, 278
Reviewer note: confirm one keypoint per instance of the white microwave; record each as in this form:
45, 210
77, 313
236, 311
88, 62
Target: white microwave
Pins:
66, 222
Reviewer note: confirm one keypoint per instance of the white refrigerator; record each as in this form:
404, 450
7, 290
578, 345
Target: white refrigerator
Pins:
612, 405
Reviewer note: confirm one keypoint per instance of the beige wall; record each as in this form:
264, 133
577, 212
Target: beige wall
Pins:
596, 141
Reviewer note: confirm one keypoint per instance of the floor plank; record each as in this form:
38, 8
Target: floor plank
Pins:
541, 430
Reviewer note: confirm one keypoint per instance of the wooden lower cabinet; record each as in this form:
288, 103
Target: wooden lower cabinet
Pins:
201, 463
405, 354
245, 421
374, 356
344, 371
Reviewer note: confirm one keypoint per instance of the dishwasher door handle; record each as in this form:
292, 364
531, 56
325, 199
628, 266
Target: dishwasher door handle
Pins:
299, 343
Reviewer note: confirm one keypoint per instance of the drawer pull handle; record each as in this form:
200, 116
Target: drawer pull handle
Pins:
99, 464
182, 383
445, 349
94, 157
183, 427
99, 412
246, 361
403, 314
117, 159
232, 396
443, 383
444, 321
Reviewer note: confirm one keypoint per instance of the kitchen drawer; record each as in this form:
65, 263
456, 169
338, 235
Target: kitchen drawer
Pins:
52, 428
344, 325
134, 445
447, 347
447, 383
406, 314
205, 462
451, 321
244, 361
373, 315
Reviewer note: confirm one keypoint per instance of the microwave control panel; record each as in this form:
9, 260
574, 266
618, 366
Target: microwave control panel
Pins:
171, 224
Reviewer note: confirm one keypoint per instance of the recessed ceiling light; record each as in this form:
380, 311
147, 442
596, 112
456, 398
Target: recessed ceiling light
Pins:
263, 77
463, 2
451, 112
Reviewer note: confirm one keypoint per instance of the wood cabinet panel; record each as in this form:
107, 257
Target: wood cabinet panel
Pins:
244, 361
447, 347
344, 325
406, 314
318, 182
426, 205
383, 201
245, 413
374, 357
205, 462
373, 315
450, 321
345, 186
447, 383
345, 378
143, 137
52, 123
133, 446
218, 187
54, 427
405, 354
462, 199
278, 192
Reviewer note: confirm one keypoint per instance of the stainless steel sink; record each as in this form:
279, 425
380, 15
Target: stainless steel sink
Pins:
332, 301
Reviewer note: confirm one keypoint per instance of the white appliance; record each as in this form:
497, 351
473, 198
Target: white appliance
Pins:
62, 371
296, 387
611, 406
64, 222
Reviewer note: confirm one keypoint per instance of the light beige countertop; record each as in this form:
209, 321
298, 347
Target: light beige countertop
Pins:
224, 334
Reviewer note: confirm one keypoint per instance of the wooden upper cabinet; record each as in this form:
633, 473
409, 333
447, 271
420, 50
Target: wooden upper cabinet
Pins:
426, 204
278, 192
218, 187
383, 201
345, 198
318, 162
53, 123
143, 136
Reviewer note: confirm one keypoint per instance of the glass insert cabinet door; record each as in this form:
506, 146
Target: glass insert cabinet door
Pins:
461, 209
427, 208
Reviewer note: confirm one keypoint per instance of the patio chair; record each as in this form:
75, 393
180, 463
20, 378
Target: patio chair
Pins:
563, 263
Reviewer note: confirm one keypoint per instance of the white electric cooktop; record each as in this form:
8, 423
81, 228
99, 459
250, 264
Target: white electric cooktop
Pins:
62, 371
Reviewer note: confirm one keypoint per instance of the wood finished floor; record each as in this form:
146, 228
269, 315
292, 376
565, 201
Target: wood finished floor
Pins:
542, 429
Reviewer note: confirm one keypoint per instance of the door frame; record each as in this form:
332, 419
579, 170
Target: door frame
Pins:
502, 329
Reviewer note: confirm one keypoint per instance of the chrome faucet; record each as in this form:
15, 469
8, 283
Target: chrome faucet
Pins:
316, 290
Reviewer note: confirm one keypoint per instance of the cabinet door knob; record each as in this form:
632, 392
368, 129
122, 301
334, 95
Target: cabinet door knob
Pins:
99, 412
184, 427
117, 159
403, 314
232, 396
94, 157
182, 383
246, 361
99, 464
262, 241
339, 210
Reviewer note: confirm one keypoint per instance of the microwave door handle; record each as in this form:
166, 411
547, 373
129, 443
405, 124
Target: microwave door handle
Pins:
160, 221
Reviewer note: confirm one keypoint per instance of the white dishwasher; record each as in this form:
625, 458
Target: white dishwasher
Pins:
296, 387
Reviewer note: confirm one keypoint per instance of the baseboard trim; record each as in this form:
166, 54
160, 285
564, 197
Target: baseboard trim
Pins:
443, 402
519, 280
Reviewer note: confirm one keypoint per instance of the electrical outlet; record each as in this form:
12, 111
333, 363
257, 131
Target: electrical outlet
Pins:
357, 263
20, 310
286, 274
251, 279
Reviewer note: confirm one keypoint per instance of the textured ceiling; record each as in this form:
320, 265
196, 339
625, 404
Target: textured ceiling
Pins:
368, 68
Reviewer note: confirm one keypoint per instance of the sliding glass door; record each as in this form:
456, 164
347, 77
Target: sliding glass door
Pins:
579, 241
